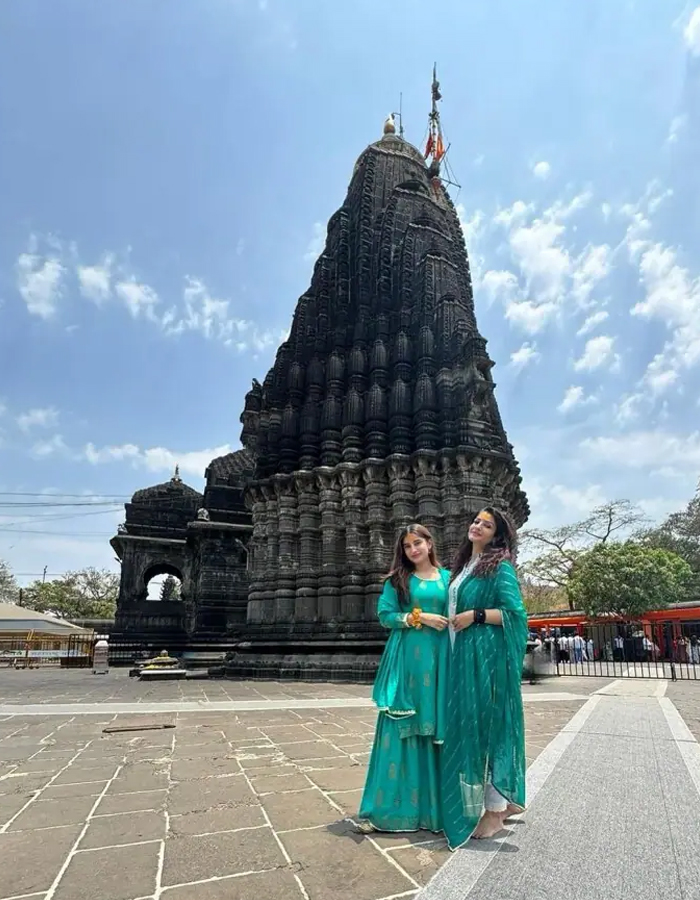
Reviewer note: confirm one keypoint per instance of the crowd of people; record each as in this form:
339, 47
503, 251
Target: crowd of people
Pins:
449, 748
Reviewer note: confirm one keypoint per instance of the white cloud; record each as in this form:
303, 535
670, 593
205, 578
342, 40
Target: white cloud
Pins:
628, 408
531, 317
156, 459
316, 243
111, 454
578, 501
597, 353
644, 449
676, 128
555, 503
541, 170
563, 209
590, 268
514, 214
211, 317
637, 234
524, 355
573, 397
550, 272
543, 261
500, 285
692, 32
139, 299
39, 280
472, 230
206, 314
672, 296
471, 227
592, 322
37, 418
94, 281
51, 447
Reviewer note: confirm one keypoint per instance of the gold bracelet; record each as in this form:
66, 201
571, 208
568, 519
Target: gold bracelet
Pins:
413, 618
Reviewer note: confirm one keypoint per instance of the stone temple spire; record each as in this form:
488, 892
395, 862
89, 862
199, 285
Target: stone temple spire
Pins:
379, 409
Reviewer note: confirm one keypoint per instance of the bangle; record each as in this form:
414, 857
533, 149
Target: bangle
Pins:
479, 616
413, 618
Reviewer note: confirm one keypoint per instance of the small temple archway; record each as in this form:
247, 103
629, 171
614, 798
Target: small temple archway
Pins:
163, 582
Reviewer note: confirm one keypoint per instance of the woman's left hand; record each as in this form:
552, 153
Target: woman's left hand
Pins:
463, 620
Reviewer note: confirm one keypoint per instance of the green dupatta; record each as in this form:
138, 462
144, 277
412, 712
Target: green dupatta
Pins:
485, 731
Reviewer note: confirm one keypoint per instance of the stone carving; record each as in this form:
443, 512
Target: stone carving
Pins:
161, 536
379, 410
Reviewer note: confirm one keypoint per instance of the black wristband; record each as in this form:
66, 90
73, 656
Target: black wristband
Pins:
479, 616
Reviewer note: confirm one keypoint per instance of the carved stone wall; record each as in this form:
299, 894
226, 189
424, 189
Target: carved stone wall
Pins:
379, 410
201, 539
322, 540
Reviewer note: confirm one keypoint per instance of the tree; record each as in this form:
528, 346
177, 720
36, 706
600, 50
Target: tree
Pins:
627, 579
680, 534
557, 551
88, 594
539, 597
9, 591
170, 589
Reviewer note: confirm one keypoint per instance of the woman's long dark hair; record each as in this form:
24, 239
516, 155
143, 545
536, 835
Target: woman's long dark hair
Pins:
401, 567
503, 545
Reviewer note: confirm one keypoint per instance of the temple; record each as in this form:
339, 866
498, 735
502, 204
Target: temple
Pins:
379, 411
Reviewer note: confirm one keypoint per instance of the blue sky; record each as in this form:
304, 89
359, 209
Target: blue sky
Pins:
166, 173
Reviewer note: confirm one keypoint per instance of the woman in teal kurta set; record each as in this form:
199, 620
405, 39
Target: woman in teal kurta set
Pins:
402, 790
483, 762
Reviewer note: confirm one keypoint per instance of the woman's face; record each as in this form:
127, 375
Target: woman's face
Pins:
416, 548
482, 529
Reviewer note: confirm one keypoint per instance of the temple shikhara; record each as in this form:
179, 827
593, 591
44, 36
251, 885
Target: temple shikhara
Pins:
379, 411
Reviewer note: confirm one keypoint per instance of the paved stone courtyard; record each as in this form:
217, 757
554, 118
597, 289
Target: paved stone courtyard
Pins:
252, 804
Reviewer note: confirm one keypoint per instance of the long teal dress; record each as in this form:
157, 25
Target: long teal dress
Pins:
402, 790
484, 730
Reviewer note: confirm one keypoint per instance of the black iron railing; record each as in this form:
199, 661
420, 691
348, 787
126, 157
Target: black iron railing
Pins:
618, 650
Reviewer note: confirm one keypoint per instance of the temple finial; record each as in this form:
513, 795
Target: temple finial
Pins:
390, 124
176, 477
435, 147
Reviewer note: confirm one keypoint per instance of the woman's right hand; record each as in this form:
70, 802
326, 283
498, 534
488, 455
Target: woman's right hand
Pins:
432, 620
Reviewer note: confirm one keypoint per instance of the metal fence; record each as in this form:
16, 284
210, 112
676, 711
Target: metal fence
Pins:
74, 651
619, 650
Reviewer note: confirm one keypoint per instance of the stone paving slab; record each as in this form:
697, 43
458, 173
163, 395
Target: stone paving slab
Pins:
57, 686
245, 805
685, 696
609, 807
54, 685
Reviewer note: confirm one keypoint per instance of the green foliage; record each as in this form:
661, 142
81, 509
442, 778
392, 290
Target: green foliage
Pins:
556, 552
539, 597
9, 592
680, 534
628, 579
89, 594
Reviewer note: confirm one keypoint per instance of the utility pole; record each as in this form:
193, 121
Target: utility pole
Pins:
43, 577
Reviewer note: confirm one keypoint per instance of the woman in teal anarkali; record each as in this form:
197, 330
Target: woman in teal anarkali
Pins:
402, 790
483, 771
